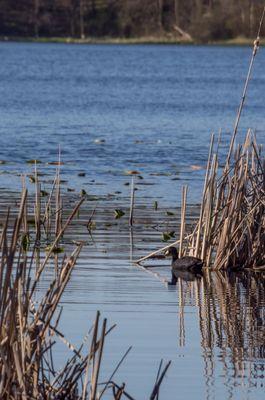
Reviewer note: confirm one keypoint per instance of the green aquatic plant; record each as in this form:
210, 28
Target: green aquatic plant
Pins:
166, 236
170, 213
33, 161
118, 213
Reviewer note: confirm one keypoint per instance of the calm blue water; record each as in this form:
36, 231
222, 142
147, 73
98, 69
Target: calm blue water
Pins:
154, 106
150, 109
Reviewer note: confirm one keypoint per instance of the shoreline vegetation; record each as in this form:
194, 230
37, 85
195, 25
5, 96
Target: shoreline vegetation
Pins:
145, 40
132, 21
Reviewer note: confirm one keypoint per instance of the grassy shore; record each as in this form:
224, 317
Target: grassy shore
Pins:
238, 41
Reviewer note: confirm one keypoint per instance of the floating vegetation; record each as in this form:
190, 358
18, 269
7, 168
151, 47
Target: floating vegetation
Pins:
43, 193
132, 172
118, 213
25, 242
170, 213
36, 161
55, 163
29, 318
32, 179
83, 193
55, 250
91, 225
99, 141
166, 236
196, 167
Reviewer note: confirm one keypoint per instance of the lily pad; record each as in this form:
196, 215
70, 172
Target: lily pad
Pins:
56, 250
166, 236
160, 174
25, 242
119, 213
196, 167
132, 172
32, 179
55, 163
91, 225
33, 161
169, 213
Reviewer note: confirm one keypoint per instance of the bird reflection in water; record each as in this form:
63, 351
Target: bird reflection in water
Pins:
187, 276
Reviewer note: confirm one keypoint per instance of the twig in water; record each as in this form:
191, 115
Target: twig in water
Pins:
132, 203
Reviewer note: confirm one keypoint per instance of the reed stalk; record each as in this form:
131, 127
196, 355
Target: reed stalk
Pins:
29, 329
132, 203
230, 231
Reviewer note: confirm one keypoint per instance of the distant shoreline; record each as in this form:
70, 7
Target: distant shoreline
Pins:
238, 41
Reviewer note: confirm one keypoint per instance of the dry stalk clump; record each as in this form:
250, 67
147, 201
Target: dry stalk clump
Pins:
231, 228
230, 231
29, 319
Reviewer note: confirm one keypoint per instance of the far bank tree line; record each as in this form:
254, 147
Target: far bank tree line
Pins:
202, 20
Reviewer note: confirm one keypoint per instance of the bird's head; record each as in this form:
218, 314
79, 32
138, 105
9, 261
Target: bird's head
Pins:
171, 252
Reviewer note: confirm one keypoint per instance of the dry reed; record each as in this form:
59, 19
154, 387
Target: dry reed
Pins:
29, 320
230, 231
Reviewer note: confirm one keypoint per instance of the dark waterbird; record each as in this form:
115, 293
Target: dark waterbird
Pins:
188, 268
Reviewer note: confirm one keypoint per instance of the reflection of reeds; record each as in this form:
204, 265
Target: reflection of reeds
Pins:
231, 318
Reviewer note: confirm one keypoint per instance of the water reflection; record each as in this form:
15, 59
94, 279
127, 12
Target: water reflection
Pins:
217, 344
185, 275
231, 317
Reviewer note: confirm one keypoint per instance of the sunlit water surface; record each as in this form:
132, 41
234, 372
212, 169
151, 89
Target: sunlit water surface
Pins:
149, 109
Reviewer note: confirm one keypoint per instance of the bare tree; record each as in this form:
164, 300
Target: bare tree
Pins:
203, 19
176, 11
36, 17
251, 18
81, 18
160, 4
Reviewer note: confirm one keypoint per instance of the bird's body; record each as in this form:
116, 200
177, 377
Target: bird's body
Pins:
189, 264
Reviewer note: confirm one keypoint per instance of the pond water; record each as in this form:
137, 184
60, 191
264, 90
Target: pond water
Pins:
149, 109
118, 108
